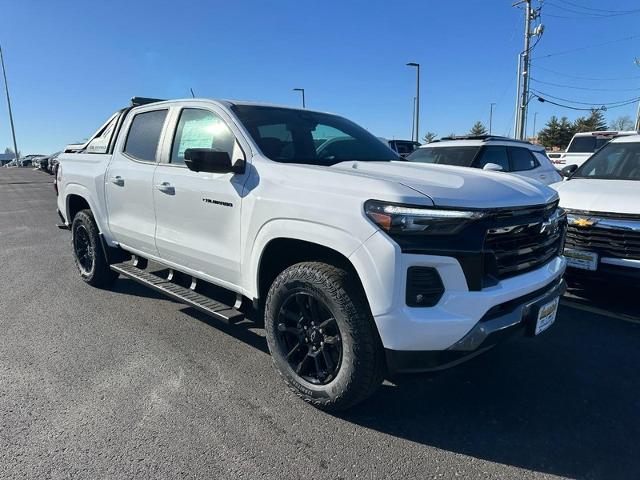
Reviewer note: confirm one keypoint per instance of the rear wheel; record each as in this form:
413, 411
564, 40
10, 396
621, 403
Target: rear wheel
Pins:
322, 338
88, 253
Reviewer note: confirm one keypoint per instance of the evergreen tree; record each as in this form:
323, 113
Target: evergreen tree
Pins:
429, 137
549, 136
594, 122
567, 130
556, 133
478, 129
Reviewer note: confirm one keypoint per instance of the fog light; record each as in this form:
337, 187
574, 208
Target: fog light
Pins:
424, 287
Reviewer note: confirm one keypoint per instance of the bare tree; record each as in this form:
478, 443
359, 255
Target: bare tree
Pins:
621, 123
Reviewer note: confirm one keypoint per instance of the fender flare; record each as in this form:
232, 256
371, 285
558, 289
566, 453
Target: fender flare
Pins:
341, 241
99, 213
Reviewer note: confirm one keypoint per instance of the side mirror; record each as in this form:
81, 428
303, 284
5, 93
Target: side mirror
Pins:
209, 160
494, 167
568, 171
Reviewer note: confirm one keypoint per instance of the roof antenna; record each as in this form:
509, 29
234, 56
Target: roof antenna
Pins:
193, 95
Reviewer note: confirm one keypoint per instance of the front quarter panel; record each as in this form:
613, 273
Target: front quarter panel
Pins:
317, 205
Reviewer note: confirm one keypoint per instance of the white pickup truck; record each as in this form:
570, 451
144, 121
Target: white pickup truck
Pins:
583, 145
362, 264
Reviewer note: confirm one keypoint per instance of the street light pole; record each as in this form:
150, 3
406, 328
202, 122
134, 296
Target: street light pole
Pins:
535, 117
413, 120
417, 129
491, 116
638, 112
302, 91
6, 88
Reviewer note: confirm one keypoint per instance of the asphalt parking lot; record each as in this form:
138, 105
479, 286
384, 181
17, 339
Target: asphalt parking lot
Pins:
124, 383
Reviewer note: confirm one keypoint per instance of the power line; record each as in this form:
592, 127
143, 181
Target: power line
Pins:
600, 79
544, 100
603, 104
598, 9
586, 88
587, 47
612, 13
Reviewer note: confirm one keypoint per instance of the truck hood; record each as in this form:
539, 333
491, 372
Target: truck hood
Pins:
456, 186
611, 196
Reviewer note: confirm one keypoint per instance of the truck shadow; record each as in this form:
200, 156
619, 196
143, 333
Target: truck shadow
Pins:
567, 403
614, 295
244, 331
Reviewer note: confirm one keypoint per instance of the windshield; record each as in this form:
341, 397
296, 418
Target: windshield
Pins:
616, 161
300, 136
459, 156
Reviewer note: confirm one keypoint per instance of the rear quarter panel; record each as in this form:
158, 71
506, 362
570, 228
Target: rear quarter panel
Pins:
83, 174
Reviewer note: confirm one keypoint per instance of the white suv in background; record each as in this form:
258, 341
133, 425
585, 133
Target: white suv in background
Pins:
490, 153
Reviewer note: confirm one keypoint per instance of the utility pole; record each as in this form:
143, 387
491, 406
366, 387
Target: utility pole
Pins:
6, 88
529, 16
491, 116
417, 129
535, 117
516, 121
524, 95
413, 120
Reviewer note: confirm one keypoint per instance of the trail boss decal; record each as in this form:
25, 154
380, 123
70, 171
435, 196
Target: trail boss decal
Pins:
217, 202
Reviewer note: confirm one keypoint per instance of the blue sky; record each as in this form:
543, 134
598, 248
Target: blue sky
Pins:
71, 64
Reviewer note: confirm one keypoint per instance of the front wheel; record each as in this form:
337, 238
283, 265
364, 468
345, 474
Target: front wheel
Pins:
88, 254
322, 337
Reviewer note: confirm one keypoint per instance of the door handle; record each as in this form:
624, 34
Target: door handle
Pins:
166, 187
118, 180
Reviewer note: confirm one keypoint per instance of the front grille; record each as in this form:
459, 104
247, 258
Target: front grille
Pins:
605, 242
521, 247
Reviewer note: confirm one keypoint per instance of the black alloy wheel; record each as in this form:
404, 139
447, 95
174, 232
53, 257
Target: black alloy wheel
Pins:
84, 251
309, 338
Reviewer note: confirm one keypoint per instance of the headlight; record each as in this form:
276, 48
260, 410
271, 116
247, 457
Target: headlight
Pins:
398, 219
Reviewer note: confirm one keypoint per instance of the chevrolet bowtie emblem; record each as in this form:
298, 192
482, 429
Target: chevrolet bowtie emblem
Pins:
583, 222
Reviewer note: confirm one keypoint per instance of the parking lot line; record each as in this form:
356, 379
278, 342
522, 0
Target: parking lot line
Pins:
599, 311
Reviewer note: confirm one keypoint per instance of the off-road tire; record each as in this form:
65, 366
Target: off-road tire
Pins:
98, 274
362, 368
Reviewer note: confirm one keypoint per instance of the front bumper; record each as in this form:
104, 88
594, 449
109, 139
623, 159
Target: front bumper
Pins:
459, 310
609, 269
500, 322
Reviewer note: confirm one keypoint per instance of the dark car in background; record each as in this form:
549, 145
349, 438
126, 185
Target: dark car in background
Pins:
401, 147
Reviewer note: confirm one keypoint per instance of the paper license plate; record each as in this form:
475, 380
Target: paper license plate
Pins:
547, 315
581, 259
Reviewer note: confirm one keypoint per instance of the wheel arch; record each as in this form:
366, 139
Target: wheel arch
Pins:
78, 197
274, 251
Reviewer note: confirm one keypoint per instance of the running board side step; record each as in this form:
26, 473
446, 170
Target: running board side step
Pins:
187, 296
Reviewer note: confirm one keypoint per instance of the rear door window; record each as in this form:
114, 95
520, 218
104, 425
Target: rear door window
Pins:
144, 135
494, 154
522, 159
542, 158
